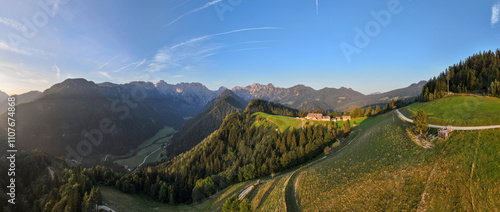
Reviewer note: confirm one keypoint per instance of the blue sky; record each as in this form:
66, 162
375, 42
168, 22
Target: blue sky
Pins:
240, 42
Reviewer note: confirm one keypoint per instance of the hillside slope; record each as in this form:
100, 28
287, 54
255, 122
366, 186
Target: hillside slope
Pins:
459, 111
3, 96
383, 170
20, 99
117, 118
205, 123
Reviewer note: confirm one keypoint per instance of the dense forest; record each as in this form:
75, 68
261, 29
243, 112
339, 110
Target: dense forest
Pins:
205, 123
478, 74
46, 183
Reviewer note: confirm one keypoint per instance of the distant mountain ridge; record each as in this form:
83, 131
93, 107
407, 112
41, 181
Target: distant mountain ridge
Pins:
306, 98
20, 99
3, 96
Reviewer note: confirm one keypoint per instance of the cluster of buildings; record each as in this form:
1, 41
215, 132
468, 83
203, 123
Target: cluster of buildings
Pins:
320, 117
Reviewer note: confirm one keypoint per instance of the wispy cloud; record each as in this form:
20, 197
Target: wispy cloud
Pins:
195, 10
140, 63
12, 24
57, 70
206, 37
106, 63
191, 53
105, 74
495, 13
235, 50
7, 47
317, 10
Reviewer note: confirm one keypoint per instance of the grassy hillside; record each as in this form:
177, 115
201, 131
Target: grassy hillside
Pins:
284, 123
383, 170
459, 111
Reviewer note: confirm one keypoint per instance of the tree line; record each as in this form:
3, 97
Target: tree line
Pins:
478, 74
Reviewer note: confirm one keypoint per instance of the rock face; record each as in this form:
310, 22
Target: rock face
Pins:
192, 93
306, 98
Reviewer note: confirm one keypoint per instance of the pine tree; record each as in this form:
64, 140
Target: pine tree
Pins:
420, 122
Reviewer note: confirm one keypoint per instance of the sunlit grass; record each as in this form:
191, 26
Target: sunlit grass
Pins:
459, 111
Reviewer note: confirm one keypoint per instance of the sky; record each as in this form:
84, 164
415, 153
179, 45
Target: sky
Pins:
369, 46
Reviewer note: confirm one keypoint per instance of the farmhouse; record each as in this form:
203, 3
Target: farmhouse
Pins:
445, 133
346, 118
317, 117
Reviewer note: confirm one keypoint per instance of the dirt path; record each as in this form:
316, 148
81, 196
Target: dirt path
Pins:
295, 190
472, 173
425, 194
454, 127
145, 158
283, 192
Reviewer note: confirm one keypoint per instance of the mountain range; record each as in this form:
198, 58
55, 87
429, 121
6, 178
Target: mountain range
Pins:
327, 99
67, 115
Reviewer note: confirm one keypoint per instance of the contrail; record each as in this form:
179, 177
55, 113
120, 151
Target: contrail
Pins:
317, 7
195, 10
222, 33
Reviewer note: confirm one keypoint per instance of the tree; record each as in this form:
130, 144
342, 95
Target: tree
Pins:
231, 204
377, 110
420, 122
327, 150
368, 111
245, 206
163, 193
347, 127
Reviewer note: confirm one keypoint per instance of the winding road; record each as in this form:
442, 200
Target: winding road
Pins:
454, 127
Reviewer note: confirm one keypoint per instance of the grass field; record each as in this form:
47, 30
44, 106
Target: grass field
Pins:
284, 123
148, 146
383, 170
459, 111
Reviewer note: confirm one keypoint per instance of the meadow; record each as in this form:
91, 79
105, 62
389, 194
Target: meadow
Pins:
284, 123
383, 170
464, 110
147, 147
